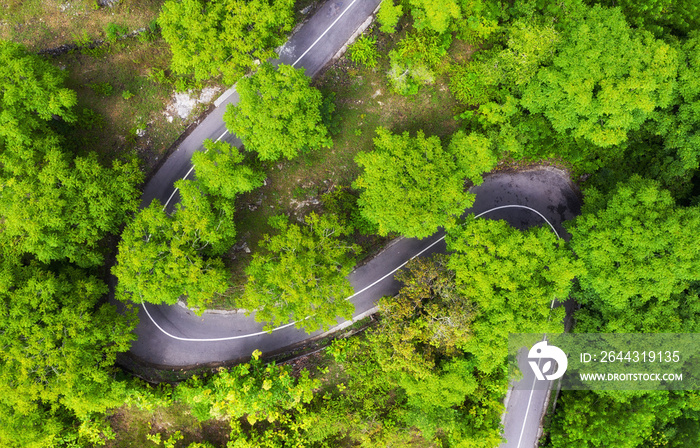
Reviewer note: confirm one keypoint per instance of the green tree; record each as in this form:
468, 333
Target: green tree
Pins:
220, 172
660, 16
279, 113
300, 274
639, 253
413, 186
253, 390
436, 15
587, 419
59, 340
605, 79
63, 209
32, 93
418, 345
162, 258
389, 15
679, 156
512, 277
224, 36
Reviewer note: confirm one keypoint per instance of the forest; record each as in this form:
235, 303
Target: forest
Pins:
608, 91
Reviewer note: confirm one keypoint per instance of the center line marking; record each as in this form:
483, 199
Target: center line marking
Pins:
230, 338
295, 63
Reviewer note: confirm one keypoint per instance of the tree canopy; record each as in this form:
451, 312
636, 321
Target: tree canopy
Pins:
299, 275
638, 250
413, 186
224, 37
279, 113
59, 340
605, 79
162, 258
512, 277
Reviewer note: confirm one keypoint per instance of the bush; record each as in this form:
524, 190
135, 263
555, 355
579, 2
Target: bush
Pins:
113, 32
364, 51
102, 88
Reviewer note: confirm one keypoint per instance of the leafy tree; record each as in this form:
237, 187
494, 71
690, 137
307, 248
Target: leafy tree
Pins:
418, 345
413, 186
638, 251
164, 257
220, 172
660, 16
279, 113
435, 14
389, 15
618, 418
59, 340
428, 319
52, 205
223, 36
63, 209
266, 405
679, 157
300, 274
605, 79
512, 278
32, 93
254, 391
415, 60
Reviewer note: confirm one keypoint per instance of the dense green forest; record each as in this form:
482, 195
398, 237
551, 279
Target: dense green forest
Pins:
608, 90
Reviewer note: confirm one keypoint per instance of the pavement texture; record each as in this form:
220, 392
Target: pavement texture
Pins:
172, 337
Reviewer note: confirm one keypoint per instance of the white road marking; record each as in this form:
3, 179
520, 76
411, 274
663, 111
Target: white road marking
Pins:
527, 411
294, 64
188, 173
324, 33
231, 338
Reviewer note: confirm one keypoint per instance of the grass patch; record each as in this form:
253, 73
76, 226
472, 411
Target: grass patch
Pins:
46, 24
132, 427
121, 102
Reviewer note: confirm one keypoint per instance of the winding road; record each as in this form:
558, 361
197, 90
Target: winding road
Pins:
171, 337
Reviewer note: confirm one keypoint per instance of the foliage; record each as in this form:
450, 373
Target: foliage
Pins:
415, 59
269, 400
588, 419
223, 36
61, 209
412, 185
279, 113
660, 16
389, 15
364, 51
164, 257
59, 341
220, 172
428, 319
512, 277
678, 125
475, 154
435, 15
32, 93
605, 79
114, 31
300, 274
342, 202
639, 254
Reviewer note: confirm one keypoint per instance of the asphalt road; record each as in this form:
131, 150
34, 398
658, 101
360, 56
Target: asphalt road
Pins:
174, 337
